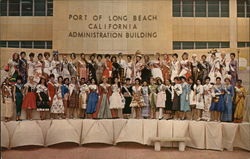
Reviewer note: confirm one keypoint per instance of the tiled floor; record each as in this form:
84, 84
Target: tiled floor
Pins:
121, 151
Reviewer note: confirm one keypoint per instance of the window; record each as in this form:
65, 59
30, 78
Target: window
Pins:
213, 8
187, 8
200, 8
49, 7
179, 45
243, 44
224, 8
3, 44
188, 45
248, 8
14, 7
40, 7
27, 44
243, 8
3, 8
13, 44
27, 7
49, 45
224, 45
212, 45
200, 45
39, 44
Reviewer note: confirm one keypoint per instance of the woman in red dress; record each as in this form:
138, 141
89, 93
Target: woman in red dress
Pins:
108, 67
29, 102
51, 89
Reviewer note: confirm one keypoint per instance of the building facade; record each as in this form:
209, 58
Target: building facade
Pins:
113, 26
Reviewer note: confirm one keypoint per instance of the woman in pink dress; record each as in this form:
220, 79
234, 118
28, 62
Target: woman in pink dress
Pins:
82, 68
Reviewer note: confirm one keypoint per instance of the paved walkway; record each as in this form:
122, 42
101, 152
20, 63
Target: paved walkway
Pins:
122, 151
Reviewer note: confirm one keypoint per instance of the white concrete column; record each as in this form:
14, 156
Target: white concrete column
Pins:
233, 23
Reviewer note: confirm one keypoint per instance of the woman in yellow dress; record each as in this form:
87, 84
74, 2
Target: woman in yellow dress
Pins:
239, 101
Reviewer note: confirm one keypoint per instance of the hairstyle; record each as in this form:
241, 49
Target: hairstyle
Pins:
232, 54
129, 56
14, 56
218, 78
113, 57
19, 78
159, 80
73, 55
208, 78
93, 55
90, 80
182, 77
169, 80
185, 53
176, 78
227, 79
60, 77
99, 56
65, 79
204, 56
40, 82
138, 79
82, 54
40, 55
107, 55
239, 81
31, 54
175, 55
22, 53
119, 54
127, 79
51, 76
46, 54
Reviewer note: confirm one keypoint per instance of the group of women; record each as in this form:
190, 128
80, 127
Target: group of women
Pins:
141, 86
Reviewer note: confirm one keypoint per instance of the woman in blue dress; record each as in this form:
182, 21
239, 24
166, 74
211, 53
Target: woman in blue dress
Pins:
228, 97
218, 100
184, 97
65, 96
92, 99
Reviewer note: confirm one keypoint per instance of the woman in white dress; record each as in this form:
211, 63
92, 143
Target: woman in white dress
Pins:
161, 97
47, 65
208, 91
192, 97
31, 65
65, 68
116, 99
39, 65
215, 68
57, 107
130, 68
156, 70
199, 91
56, 66
185, 66
84, 90
175, 67
138, 66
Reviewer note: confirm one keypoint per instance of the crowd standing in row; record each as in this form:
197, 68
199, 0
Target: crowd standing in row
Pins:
103, 87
